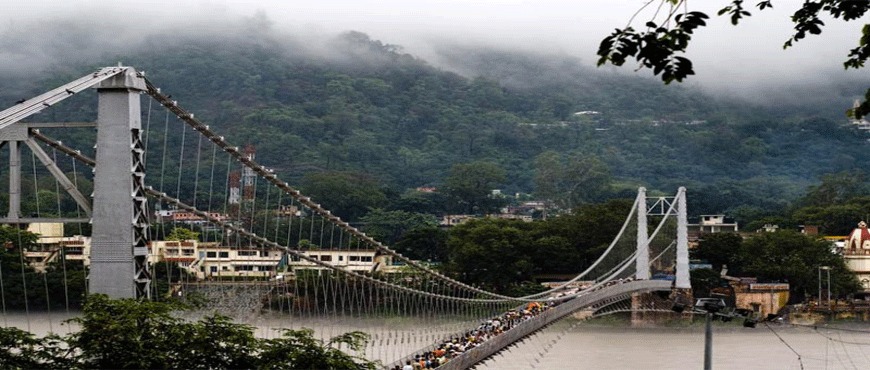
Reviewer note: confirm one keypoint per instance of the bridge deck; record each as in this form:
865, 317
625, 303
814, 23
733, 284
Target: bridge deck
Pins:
496, 344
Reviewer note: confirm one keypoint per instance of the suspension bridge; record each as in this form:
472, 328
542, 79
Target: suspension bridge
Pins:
266, 249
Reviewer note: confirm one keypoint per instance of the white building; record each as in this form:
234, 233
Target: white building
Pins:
360, 260
856, 252
210, 260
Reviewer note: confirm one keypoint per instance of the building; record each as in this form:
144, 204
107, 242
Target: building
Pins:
761, 298
211, 260
856, 252
184, 217
711, 224
453, 220
52, 246
359, 260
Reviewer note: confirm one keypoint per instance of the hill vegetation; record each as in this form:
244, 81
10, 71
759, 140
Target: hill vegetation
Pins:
367, 110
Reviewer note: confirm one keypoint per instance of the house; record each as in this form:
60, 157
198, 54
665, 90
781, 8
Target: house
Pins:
711, 224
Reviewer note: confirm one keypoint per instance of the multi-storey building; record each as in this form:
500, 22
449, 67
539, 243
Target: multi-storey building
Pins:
52, 247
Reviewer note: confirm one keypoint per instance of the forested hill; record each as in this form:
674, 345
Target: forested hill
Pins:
361, 105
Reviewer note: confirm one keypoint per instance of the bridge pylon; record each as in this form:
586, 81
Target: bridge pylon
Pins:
119, 266
667, 207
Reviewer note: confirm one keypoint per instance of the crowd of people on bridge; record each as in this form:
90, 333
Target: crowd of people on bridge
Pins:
456, 346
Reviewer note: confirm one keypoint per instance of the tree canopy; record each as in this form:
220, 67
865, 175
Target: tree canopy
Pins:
130, 334
667, 36
786, 256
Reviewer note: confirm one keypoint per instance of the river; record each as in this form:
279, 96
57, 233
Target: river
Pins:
590, 345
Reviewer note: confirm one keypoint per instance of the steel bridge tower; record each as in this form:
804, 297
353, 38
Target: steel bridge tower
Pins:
663, 206
119, 254
119, 266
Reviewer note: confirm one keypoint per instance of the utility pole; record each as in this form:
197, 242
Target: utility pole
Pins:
708, 342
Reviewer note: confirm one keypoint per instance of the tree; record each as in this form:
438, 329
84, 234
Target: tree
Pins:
424, 243
836, 188
668, 34
569, 183
61, 284
794, 257
491, 252
470, 185
720, 249
589, 230
390, 226
181, 233
348, 195
131, 334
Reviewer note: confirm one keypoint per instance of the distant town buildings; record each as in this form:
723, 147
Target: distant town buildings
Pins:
208, 260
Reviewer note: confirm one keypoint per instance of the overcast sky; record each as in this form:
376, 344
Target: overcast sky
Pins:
746, 57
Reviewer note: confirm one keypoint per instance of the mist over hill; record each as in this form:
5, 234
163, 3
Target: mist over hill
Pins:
360, 105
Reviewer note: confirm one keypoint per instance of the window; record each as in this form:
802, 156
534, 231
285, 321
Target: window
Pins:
247, 253
341, 258
353, 258
366, 258
245, 268
187, 252
224, 254
213, 269
313, 256
326, 258
211, 254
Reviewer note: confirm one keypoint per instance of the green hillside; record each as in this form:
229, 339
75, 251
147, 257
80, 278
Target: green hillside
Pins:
366, 107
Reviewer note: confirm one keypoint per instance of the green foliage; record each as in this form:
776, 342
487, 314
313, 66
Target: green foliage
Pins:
300, 350
181, 233
347, 195
656, 48
491, 252
571, 182
130, 334
505, 255
469, 187
423, 244
391, 226
61, 285
704, 280
22, 350
836, 188
720, 249
404, 124
786, 256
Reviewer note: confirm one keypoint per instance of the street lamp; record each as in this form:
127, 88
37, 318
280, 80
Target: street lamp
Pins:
711, 307
828, 269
